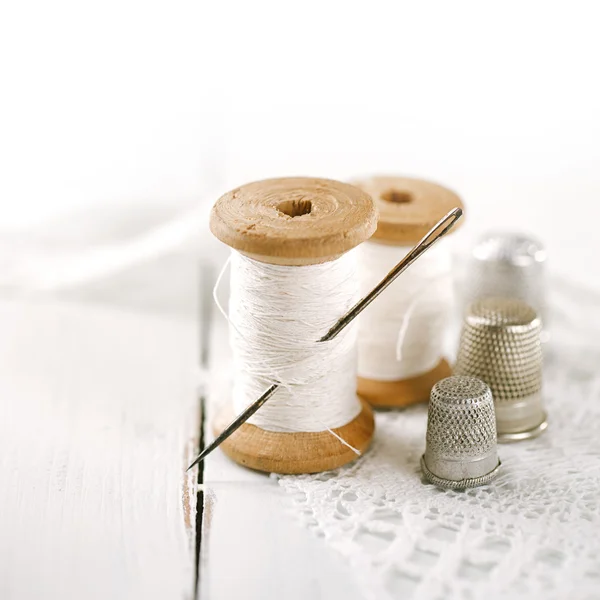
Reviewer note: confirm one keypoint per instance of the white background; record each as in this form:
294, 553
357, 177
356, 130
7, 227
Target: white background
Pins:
107, 103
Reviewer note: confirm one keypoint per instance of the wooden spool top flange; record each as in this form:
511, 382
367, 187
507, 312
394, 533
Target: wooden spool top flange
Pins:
294, 220
408, 208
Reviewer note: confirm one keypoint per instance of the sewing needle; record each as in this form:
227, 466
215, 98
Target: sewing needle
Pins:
433, 235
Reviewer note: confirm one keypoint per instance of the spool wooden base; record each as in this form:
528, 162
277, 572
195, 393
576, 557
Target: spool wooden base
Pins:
293, 453
396, 394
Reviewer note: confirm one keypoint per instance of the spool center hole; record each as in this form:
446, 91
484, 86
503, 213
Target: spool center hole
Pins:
295, 208
397, 196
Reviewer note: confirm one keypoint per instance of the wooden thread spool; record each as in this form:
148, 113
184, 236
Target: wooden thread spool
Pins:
408, 208
294, 222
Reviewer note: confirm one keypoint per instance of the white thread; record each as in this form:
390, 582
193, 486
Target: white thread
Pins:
277, 313
402, 335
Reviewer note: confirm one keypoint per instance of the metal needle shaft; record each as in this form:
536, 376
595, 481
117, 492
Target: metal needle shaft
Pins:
440, 229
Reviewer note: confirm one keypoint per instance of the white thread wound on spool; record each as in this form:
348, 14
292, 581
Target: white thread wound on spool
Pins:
277, 313
402, 335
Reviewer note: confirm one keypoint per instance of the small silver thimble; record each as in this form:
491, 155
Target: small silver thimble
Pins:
500, 344
461, 434
508, 265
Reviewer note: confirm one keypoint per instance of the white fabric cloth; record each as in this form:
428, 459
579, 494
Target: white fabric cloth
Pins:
533, 533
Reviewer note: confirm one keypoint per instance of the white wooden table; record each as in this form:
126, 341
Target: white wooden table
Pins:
101, 395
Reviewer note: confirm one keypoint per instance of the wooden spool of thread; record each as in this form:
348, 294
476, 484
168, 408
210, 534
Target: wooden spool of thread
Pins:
295, 223
408, 208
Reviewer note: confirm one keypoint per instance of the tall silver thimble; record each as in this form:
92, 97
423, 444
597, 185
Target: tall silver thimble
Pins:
500, 344
508, 265
461, 434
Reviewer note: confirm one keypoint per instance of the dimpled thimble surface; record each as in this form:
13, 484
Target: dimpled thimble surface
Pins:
461, 434
500, 344
508, 265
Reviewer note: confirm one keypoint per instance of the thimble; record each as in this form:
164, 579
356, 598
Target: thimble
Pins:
461, 434
508, 265
500, 344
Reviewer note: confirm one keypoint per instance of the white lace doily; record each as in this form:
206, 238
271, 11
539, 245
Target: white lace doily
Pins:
533, 533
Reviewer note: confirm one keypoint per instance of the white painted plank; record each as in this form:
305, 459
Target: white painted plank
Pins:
253, 548
98, 408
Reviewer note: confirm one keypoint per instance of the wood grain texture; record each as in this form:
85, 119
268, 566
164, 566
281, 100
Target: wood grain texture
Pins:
294, 220
98, 415
301, 452
408, 208
404, 392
